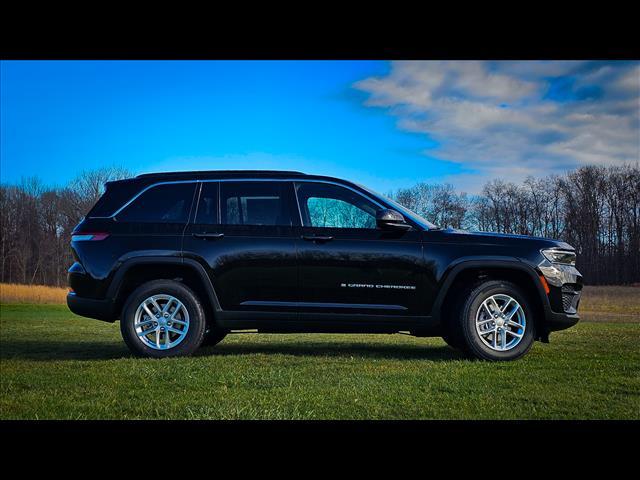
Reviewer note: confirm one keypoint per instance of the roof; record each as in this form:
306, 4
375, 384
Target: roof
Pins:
147, 179
222, 174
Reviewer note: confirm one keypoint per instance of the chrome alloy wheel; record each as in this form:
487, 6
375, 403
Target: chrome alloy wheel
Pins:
500, 322
161, 322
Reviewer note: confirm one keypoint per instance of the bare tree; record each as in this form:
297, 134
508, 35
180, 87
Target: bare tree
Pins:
596, 209
440, 204
36, 225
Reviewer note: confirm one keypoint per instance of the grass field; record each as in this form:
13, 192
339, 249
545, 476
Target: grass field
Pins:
54, 364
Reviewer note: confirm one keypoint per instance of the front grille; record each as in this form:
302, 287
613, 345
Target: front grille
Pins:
570, 298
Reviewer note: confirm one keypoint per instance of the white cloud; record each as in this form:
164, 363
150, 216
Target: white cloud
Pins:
630, 80
512, 119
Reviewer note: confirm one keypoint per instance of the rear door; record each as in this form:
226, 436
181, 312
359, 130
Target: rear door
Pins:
243, 232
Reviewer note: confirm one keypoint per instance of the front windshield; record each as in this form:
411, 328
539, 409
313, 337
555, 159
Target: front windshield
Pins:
427, 225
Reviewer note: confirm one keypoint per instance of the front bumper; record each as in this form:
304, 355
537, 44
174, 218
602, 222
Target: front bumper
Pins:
565, 289
561, 321
92, 308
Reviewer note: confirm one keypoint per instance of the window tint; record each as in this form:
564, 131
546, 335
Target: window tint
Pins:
162, 204
116, 194
326, 205
208, 204
255, 203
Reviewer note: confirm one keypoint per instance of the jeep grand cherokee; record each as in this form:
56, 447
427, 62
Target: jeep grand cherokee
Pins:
184, 258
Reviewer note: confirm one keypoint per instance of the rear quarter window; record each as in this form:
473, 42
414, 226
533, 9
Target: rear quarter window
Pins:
117, 193
168, 203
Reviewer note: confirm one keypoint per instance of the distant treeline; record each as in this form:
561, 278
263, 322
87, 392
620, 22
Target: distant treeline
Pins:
595, 209
37, 222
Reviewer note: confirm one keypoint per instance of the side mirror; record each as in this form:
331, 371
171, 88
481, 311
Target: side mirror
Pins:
388, 219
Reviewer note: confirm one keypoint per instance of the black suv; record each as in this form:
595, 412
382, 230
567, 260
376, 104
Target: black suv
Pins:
184, 258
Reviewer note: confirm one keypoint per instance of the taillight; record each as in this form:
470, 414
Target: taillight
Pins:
88, 236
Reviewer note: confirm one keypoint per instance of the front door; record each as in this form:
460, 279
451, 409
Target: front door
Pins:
347, 265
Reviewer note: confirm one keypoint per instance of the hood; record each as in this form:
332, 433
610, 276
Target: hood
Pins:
493, 238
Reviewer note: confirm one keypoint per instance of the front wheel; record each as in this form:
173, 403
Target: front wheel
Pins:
213, 336
495, 321
452, 341
163, 318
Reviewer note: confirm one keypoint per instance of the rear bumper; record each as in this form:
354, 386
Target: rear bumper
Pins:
89, 307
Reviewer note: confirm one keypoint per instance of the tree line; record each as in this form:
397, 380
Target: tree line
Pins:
596, 209
37, 221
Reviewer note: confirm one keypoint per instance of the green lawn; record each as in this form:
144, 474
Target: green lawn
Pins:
56, 365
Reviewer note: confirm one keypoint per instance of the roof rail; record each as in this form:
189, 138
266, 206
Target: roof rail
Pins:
220, 172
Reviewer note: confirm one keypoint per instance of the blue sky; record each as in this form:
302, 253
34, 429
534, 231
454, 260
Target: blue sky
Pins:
385, 124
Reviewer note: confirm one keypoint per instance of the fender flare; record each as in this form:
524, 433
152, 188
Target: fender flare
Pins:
467, 263
120, 275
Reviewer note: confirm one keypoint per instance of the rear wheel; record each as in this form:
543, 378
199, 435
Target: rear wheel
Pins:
163, 318
495, 321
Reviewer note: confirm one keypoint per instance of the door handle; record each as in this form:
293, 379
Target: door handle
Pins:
316, 238
208, 236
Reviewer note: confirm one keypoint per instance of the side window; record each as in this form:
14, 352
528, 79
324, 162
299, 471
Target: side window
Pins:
168, 203
208, 204
256, 203
332, 206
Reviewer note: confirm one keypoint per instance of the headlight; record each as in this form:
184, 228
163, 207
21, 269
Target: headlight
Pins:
565, 257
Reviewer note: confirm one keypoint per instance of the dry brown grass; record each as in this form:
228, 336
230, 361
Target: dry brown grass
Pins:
611, 299
16, 293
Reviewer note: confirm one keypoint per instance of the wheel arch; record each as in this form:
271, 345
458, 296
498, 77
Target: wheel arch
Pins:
469, 271
136, 271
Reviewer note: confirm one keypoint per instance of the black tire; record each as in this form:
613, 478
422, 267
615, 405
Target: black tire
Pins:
213, 336
197, 321
452, 341
452, 334
465, 321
